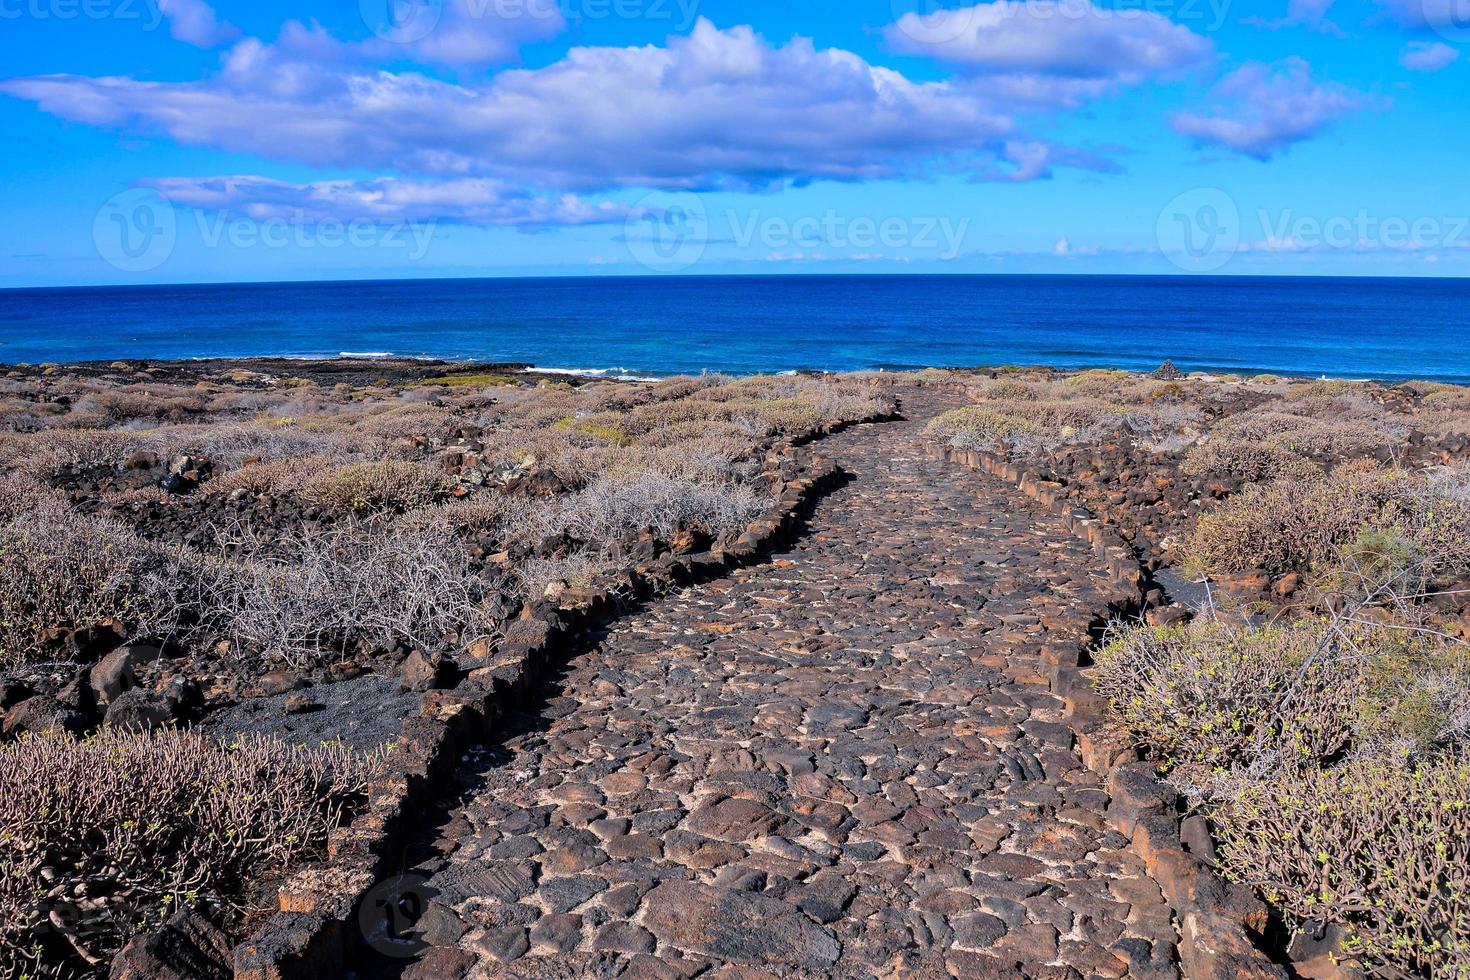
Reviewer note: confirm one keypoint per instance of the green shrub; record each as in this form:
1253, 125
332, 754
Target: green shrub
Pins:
1212, 697
1376, 846
1097, 382
977, 428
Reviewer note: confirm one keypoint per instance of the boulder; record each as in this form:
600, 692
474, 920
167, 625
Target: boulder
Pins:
139, 710
426, 672
117, 672
43, 713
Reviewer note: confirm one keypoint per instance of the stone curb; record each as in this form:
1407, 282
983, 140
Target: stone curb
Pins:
1216, 919
317, 929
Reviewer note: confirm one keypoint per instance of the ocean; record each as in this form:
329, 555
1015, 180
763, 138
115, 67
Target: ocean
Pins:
1382, 328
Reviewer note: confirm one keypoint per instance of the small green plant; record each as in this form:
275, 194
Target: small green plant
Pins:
108, 835
1377, 846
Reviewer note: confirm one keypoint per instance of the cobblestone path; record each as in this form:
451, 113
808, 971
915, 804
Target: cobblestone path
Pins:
841, 763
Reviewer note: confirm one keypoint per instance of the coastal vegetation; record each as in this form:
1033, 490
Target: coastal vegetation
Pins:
183, 543
1314, 704
178, 540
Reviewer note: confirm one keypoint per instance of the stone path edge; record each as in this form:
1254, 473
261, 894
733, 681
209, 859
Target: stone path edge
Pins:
1217, 919
316, 930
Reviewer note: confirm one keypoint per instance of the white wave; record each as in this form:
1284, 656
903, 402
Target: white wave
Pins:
614, 373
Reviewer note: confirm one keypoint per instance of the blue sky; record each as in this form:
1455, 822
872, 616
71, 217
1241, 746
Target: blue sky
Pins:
179, 141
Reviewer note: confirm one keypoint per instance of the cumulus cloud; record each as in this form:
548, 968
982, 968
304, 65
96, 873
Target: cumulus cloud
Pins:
1428, 56
1260, 110
1066, 38
477, 201
194, 22
715, 108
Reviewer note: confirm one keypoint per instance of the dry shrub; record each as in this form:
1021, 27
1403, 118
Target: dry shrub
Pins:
1214, 696
485, 515
375, 487
1294, 525
20, 494
1246, 460
1307, 436
536, 577
143, 401
271, 477
1376, 846
314, 594
112, 833
608, 511
62, 569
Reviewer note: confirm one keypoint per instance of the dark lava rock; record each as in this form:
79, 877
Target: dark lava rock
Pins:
43, 713
139, 710
186, 947
426, 672
738, 926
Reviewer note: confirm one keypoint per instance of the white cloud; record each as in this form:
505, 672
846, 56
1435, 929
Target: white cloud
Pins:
1428, 56
1052, 38
1260, 110
194, 22
715, 108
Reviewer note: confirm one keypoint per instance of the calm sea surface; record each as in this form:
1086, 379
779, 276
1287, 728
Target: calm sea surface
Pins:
1386, 328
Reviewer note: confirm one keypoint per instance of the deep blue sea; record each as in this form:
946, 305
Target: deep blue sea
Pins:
1385, 328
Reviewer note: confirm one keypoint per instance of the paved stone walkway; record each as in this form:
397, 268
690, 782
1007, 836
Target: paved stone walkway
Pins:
843, 763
